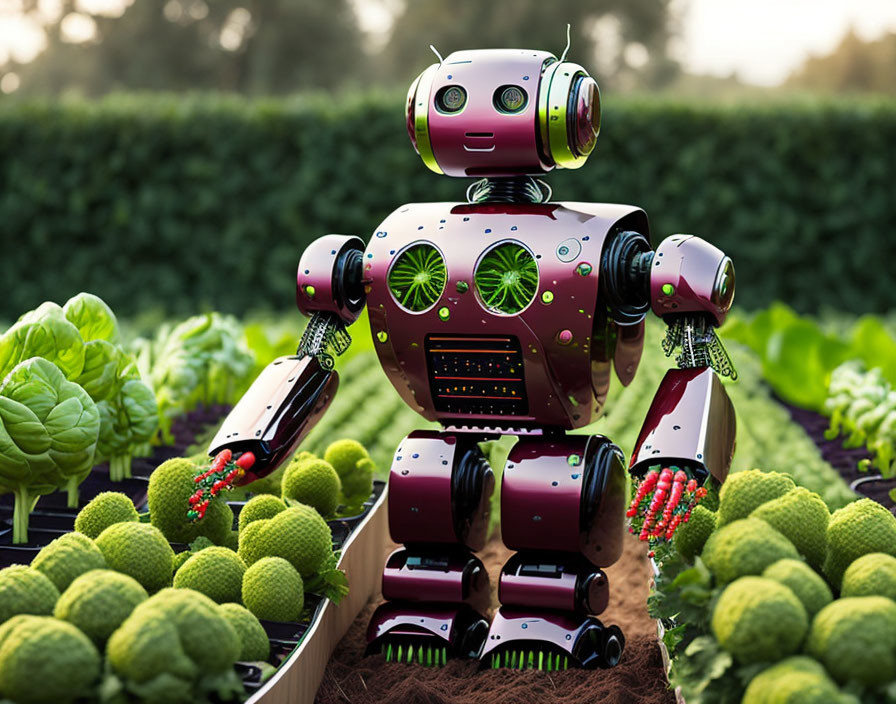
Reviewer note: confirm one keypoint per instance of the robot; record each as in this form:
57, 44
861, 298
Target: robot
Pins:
502, 315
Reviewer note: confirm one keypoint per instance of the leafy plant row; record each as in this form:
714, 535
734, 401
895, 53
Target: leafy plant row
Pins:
862, 406
848, 375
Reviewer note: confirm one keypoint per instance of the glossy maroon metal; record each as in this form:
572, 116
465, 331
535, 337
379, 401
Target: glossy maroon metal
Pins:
581, 638
627, 355
406, 620
692, 267
541, 500
561, 373
454, 577
422, 504
690, 421
553, 582
280, 408
317, 289
459, 628
541, 492
480, 140
420, 489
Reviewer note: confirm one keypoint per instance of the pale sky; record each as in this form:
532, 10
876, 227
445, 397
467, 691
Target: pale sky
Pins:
763, 41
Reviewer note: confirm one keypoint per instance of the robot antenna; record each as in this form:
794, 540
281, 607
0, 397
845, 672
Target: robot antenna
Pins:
566, 50
436, 52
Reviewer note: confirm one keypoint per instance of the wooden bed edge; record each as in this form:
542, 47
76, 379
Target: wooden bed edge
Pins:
298, 678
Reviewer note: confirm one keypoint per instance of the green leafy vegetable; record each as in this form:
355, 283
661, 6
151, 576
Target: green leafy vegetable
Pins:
201, 361
93, 318
98, 376
798, 355
129, 419
48, 435
862, 405
51, 337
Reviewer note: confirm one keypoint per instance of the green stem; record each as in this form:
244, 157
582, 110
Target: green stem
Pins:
120, 467
22, 511
72, 489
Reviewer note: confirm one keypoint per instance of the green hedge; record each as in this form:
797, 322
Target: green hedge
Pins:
208, 201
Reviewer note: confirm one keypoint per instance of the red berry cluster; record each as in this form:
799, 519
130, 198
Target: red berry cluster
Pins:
222, 474
655, 517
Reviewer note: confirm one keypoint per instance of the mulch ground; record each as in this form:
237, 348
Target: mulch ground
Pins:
351, 677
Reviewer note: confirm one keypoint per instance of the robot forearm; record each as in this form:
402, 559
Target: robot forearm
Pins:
292, 393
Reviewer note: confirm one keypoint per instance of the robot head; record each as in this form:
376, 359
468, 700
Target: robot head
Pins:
503, 112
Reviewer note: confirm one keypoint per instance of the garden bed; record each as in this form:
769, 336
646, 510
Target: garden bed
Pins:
640, 677
299, 650
844, 459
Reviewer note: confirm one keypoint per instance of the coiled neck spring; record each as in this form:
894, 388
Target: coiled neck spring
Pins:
514, 189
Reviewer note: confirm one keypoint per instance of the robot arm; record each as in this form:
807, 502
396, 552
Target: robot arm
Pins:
292, 393
687, 439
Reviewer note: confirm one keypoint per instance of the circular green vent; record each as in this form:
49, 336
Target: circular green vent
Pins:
507, 278
417, 278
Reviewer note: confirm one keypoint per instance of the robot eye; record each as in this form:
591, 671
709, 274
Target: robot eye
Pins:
510, 99
451, 99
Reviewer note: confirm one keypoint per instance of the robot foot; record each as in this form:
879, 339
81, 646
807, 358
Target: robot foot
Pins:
550, 640
427, 635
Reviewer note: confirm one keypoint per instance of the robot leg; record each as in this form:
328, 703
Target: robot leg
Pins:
562, 508
437, 591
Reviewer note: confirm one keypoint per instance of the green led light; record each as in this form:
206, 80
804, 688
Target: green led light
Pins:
668, 289
583, 269
444, 313
310, 291
382, 336
573, 460
547, 297
462, 287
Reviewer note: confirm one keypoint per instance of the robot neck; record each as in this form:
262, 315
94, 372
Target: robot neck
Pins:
509, 189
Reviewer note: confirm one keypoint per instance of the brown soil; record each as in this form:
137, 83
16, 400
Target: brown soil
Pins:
638, 679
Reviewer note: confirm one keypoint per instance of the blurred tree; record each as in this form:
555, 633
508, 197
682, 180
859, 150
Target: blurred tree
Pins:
854, 66
249, 46
618, 39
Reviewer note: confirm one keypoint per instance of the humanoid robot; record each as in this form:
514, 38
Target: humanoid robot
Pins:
501, 315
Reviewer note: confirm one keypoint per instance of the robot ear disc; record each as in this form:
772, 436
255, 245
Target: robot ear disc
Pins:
568, 114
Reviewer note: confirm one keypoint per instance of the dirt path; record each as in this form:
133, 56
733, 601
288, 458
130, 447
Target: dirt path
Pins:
638, 679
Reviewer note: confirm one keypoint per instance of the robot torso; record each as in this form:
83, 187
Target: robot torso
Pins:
490, 315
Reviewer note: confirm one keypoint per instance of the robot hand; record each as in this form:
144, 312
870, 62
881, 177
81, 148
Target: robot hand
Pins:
663, 500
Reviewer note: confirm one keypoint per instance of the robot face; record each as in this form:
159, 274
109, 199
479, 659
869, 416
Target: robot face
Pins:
503, 112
